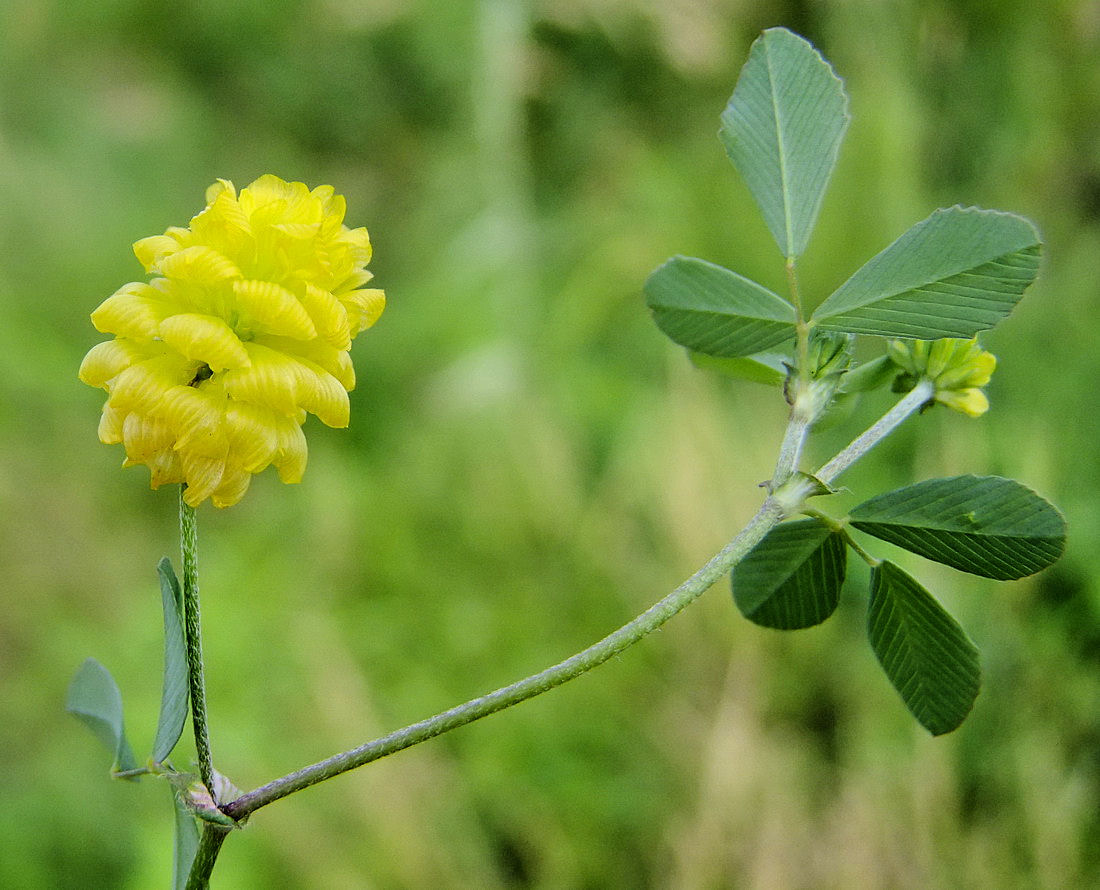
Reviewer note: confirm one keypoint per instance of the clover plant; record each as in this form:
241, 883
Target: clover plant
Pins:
246, 326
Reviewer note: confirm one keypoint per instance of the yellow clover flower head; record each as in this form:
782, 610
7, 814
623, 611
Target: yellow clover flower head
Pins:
243, 330
958, 368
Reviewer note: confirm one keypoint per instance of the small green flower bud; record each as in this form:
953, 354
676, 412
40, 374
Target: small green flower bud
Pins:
958, 368
827, 359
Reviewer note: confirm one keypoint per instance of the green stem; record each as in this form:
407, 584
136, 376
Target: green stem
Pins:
798, 429
765, 519
189, 546
206, 855
774, 508
802, 329
915, 399
863, 554
790, 450
840, 527
786, 500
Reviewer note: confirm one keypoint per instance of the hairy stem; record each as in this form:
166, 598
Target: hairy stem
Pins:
189, 546
765, 519
802, 329
206, 855
915, 399
790, 450
786, 500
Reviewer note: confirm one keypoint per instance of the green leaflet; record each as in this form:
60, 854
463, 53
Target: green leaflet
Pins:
958, 272
925, 653
769, 368
173, 703
715, 311
985, 525
782, 130
792, 578
185, 843
95, 700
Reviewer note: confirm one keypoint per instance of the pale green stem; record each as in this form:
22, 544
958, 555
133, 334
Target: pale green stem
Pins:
840, 526
790, 450
798, 429
190, 547
915, 399
781, 503
802, 329
213, 836
765, 519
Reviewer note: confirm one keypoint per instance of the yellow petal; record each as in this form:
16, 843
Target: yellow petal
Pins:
196, 418
153, 249
271, 380
970, 365
106, 360
972, 402
272, 309
164, 469
203, 475
320, 393
342, 369
111, 423
232, 488
355, 280
142, 386
252, 435
204, 338
198, 265
219, 188
986, 365
364, 307
223, 225
298, 231
292, 452
268, 189
359, 243
135, 310
325, 194
329, 315
144, 437
336, 361
333, 207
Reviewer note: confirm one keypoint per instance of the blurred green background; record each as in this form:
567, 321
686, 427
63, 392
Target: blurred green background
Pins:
530, 463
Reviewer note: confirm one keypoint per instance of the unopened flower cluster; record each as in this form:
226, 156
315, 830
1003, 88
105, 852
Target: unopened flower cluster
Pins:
243, 330
958, 368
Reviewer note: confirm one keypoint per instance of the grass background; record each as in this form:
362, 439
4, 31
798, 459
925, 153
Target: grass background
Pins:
529, 462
